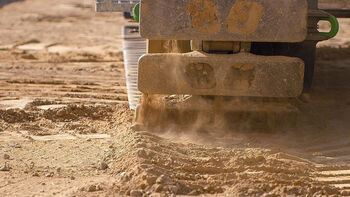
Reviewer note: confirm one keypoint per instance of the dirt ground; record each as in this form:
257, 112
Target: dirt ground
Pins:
65, 128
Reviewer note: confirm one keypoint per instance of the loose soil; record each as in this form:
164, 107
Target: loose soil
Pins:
66, 130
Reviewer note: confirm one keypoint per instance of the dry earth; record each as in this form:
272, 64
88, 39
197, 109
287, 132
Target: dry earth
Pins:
65, 129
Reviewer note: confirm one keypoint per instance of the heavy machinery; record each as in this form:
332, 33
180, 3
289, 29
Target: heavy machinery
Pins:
227, 63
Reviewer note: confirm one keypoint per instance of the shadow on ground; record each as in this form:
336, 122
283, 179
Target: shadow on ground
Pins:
5, 2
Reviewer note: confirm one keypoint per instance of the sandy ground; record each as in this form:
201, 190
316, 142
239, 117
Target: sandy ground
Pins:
65, 126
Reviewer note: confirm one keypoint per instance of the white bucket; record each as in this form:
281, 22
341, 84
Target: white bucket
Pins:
134, 46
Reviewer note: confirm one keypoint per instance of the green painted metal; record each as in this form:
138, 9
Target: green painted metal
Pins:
136, 12
334, 26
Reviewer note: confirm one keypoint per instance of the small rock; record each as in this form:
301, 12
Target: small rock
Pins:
124, 177
50, 174
58, 169
197, 176
143, 185
102, 166
142, 153
151, 180
208, 188
158, 187
72, 178
219, 189
193, 192
6, 156
173, 189
136, 193
17, 146
5, 167
32, 164
35, 174
161, 179
93, 188
157, 195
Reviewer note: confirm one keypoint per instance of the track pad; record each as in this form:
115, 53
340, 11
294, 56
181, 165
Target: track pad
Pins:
225, 20
199, 73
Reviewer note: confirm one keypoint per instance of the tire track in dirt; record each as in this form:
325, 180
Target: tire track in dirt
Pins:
73, 82
331, 157
334, 168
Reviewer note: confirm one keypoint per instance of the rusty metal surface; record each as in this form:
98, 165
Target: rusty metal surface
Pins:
241, 74
115, 5
225, 20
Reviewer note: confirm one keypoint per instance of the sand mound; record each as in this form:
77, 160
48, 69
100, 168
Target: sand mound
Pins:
74, 112
16, 116
146, 164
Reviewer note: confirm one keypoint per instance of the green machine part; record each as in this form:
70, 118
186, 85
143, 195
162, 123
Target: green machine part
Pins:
136, 12
334, 26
